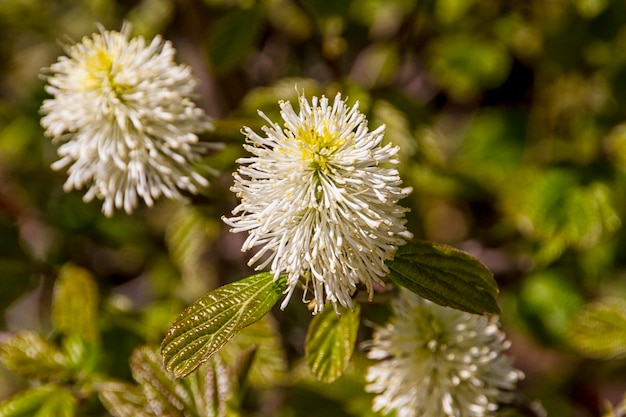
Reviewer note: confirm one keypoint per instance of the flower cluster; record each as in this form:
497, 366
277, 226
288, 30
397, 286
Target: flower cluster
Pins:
434, 361
122, 113
319, 196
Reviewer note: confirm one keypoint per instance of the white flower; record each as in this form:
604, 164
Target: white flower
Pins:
319, 196
434, 361
122, 112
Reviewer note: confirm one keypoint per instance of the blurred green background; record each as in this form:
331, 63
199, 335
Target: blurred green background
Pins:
511, 116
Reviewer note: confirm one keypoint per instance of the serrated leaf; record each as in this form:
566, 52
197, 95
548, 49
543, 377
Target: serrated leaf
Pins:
165, 395
600, 329
446, 276
218, 386
44, 401
330, 342
124, 400
269, 364
232, 38
206, 325
206, 393
75, 303
29, 355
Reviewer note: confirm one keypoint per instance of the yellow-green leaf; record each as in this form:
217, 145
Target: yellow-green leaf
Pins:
218, 387
600, 329
165, 395
206, 325
43, 401
29, 355
446, 276
330, 342
187, 236
122, 399
60, 403
269, 364
75, 303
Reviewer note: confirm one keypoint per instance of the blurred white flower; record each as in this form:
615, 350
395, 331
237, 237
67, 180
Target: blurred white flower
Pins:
319, 196
122, 113
434, 361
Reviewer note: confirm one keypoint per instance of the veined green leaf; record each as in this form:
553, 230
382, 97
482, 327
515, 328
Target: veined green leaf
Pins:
29, 355
330, 342
206, 325
75, 303
269, 364
44, 401
446, 276
218, 386
165, 395
600, 329
208, 392
123, 400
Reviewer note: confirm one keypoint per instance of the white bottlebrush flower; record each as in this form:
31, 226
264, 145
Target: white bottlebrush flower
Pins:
122, 113
434, 361
319, 196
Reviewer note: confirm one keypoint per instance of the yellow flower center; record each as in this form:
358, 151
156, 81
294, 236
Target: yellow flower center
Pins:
317, 147
100, 72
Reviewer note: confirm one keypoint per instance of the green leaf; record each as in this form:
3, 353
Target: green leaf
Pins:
206, 325
29, 355
446, 276
44, 401
217, 385
123, 400
600, 329
449, 11
60, 403
208, 392
232, 38
493, 147
269, 364
25, 403
187, 234
549, 302
75, 303
552, 209
164, 394
330, 342
464, 65
82, 357
590, 8
345, 397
